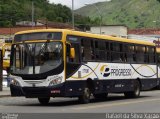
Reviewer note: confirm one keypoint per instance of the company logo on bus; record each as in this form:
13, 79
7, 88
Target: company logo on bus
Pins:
114, 71
105, 71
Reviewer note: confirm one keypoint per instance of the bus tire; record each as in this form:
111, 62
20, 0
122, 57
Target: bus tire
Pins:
158, 87
85, 97
136, 92
44, 101
101, 96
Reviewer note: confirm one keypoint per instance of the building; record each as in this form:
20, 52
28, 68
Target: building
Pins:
152, 35
145, 34
114, 30
8, 33
28, 23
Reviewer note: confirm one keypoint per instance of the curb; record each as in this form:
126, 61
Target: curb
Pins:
3, 96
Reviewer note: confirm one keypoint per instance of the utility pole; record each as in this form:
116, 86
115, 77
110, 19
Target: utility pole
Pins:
73, 14
32, 13
100, 15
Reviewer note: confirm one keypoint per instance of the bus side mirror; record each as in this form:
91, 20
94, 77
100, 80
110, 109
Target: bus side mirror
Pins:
72, 53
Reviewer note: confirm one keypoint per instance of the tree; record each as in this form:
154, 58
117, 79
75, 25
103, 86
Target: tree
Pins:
12, 11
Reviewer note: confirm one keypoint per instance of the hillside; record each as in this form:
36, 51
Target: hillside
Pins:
12, 11
133, 13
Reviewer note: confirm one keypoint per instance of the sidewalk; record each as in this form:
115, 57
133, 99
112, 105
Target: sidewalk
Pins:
5, 92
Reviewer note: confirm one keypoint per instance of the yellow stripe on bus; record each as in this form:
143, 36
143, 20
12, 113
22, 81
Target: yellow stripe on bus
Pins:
89, 35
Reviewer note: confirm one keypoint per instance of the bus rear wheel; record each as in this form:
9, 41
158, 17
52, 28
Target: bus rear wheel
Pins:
136, 92
158, 87
44, 101
85, 97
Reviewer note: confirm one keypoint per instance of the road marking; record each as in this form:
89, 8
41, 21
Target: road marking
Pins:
153, 92
115, 104
2, 106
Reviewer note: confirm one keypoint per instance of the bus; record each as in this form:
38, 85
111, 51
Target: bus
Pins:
6, 48
49, 63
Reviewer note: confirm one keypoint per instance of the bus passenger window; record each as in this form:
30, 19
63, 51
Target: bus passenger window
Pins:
107, 46
158, 57
132, 53
121, 53
100, 50
126, 51
140, 50
107, 52
87, 50
116, 56
146, 56
151, 52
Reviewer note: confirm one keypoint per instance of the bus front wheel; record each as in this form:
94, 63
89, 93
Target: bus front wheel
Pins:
44, 101
136, 92
85, 97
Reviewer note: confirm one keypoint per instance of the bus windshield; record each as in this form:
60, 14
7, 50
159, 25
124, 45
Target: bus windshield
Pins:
36, 58
38, 36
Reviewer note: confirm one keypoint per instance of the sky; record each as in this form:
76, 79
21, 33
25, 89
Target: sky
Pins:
77, 3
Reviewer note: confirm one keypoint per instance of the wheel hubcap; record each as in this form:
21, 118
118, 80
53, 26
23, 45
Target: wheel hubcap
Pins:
137, 91
87, 94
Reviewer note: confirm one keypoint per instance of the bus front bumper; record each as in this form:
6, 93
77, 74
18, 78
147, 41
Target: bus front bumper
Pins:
34, 92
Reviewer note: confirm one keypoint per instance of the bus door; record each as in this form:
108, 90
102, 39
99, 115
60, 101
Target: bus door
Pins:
73, 64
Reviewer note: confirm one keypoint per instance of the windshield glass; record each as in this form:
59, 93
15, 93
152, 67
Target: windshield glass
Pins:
38, 36
36, 58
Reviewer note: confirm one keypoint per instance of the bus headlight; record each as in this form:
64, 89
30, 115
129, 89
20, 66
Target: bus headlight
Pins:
15, 82
56, 81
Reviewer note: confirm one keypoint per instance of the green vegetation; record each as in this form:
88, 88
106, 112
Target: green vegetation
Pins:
133, 13
12, 11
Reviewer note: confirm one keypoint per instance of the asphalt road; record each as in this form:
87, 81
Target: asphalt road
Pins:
149, 102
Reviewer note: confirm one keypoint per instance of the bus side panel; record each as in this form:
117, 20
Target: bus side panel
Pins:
111, 77
148, 84
145, 73
116, 85
75, 88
